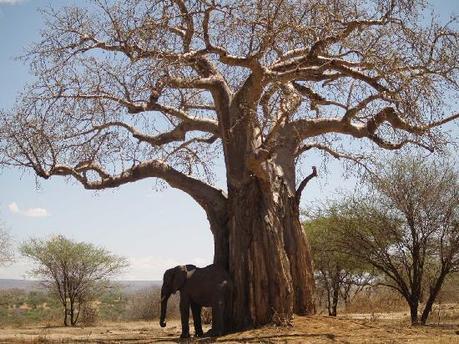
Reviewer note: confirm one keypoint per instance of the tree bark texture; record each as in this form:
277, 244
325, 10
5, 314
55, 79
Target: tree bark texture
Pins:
66, 323
267, 255
260, 239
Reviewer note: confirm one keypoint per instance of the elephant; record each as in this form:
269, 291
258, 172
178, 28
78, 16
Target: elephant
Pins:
199, 287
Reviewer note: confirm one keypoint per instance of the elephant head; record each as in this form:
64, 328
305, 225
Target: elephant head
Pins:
174, 279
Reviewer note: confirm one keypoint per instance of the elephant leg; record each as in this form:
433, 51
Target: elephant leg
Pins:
196, 310
185, 315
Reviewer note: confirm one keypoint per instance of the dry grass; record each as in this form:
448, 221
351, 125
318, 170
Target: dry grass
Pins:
358, 328
115, 332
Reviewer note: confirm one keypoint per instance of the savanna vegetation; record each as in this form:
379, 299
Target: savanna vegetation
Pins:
400, 230
76, 273
40, 307
6, 247
339, 276
130, 90
166, 90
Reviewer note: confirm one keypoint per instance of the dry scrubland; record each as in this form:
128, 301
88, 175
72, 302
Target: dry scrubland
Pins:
349, 328
376, 316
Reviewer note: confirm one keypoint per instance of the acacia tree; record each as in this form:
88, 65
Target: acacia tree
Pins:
76, 272
339, 275
407, 228
6, 250
132, 89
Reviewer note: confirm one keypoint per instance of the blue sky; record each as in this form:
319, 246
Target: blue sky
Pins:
155, 230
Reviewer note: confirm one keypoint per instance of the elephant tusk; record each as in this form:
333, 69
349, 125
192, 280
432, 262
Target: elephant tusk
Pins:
163, 298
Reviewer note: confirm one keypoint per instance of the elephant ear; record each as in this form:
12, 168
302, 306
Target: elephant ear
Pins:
179, 278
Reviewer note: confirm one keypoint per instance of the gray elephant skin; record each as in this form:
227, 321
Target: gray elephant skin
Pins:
199, 287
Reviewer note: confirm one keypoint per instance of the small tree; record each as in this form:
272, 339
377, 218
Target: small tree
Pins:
338, 275
75, 272
407, 227
6, 250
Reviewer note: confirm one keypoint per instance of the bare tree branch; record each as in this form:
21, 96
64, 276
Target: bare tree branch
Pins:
303, 184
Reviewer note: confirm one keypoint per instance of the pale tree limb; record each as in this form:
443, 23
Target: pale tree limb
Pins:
226, 58
297, 58
206, 195
188, 122
174, 135
305, 128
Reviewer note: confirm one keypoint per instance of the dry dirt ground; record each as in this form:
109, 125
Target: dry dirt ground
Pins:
314, 329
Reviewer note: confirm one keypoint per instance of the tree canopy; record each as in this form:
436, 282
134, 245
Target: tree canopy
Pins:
406, 226
126, 90
76, 272
339, 275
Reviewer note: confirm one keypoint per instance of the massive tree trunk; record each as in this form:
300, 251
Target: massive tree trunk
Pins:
266, 252
261, 241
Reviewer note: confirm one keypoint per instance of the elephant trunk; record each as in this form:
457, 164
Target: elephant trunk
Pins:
162, 319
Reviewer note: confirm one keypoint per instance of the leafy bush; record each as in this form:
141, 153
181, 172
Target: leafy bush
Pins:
18, 307
89, 314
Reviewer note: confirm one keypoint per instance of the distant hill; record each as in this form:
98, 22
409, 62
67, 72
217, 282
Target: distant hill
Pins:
133, 286
28, 285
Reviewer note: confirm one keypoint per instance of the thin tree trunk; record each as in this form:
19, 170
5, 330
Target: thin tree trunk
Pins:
325, 278
329, 301
427, 309
432, 297
77, 312
72, 313
335, 286
65, 315
414, 311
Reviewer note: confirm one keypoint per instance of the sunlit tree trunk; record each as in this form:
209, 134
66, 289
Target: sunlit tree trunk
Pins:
272, 274
263, 244
66, 323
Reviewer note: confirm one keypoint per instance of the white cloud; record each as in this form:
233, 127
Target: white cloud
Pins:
36, 212
30, 212
13, 207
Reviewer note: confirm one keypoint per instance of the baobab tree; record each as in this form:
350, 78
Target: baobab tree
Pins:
133, 89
